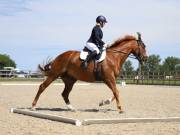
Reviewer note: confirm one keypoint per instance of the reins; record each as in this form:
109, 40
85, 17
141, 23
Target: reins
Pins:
118, 51
130, 56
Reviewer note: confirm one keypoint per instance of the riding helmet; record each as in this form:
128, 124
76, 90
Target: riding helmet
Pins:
101, 18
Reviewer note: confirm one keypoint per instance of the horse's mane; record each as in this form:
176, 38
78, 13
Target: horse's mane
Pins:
122, 39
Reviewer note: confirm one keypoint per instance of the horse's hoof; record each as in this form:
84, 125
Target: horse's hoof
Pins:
71, 108
105, 102
101, 103
33, 108
121, 111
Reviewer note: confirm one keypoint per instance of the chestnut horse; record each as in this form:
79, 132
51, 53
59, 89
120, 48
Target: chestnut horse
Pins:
68, 66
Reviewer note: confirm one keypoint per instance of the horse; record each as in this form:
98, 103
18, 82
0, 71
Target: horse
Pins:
68, 66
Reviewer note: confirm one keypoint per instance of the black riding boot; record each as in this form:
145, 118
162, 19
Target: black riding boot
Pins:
89, 57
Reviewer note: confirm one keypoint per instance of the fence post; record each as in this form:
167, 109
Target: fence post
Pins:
164, 78
169, 78
175, 77
152, 77
139, 73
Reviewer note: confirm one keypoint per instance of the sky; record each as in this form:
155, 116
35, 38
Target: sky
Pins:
33, 30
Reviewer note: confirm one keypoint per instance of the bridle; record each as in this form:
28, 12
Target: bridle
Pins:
138, 57
118, 51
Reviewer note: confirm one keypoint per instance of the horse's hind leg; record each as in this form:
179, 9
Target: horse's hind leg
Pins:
69, 82
42, 87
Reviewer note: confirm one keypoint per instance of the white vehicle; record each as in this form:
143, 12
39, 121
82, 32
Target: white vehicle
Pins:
20, 73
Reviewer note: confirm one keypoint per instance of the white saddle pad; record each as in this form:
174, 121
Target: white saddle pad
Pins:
83, 56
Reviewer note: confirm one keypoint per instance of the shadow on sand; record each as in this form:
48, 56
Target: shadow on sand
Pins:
67, 110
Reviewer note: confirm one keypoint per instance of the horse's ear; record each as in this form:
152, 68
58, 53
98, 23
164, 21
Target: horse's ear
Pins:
139, 36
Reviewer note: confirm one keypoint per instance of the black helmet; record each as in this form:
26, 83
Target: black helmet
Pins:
101, 19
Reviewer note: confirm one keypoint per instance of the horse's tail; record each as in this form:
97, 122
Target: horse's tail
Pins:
45, 69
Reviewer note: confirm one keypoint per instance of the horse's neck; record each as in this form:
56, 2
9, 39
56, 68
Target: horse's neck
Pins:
123, 51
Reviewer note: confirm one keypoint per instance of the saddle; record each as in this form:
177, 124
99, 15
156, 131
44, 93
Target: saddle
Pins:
97, 61
99, 58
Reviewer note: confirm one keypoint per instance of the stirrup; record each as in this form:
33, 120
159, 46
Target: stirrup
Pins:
84, 65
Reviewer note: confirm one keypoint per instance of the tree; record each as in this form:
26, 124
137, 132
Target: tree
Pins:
170, 64
127, 67
177, 67
152, 64
6, 61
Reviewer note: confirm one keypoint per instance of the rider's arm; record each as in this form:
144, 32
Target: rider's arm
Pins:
97, 37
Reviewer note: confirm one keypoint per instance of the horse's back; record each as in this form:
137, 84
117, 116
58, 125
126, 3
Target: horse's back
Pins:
71, 64
66, 56
68, 53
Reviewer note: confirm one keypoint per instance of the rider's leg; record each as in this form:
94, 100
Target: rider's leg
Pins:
89, 57
94, 49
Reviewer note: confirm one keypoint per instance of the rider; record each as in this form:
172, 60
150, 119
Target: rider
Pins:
95, 42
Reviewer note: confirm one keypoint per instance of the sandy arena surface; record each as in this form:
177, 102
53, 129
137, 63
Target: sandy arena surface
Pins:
137, 101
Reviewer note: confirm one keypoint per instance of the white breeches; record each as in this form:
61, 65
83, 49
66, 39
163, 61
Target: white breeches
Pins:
92, 47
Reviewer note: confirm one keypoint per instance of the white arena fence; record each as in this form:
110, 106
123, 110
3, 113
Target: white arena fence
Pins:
145, 78
20, 74
154, 78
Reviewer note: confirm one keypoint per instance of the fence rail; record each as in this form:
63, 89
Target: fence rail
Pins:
20, 74
154, 78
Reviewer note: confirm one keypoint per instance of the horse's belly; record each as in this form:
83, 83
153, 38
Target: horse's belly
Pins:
82, 75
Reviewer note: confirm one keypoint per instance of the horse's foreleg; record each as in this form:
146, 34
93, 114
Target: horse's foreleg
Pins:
42, 87
69, 82
112, 85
